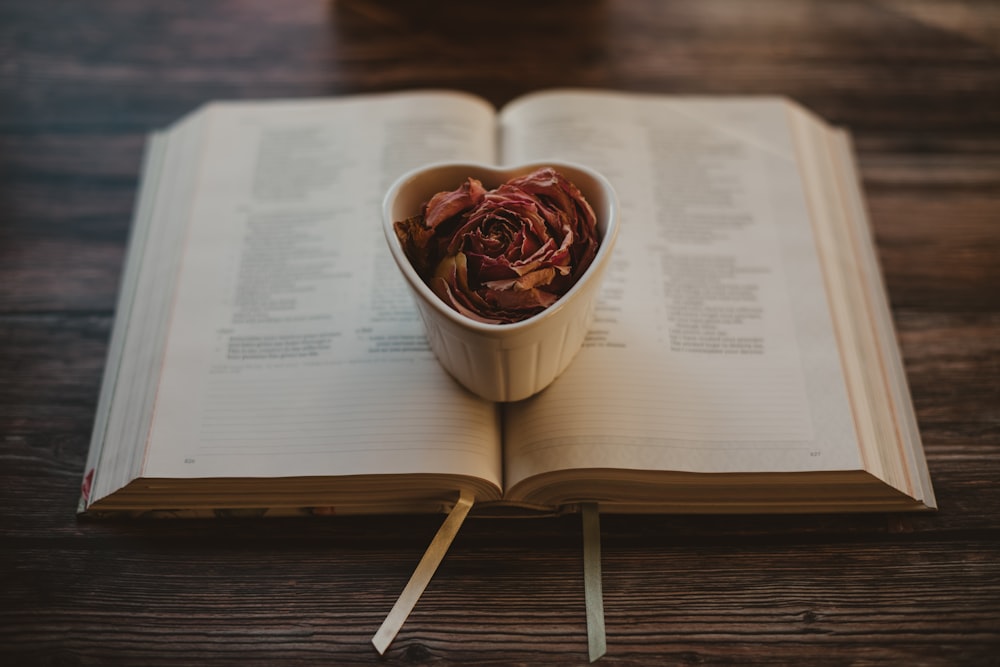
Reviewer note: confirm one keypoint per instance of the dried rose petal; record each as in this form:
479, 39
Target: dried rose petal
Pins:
503, 255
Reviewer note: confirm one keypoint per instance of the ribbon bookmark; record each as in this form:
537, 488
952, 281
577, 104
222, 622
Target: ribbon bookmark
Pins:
596, 637
422, 575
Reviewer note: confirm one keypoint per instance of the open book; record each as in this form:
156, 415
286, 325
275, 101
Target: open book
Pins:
267, 355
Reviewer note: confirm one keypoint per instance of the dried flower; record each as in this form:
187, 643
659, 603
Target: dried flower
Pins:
503, 255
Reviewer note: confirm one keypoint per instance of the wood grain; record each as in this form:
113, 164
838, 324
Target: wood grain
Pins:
916, 81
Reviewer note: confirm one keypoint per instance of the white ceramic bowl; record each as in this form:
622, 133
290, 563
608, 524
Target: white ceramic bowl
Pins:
503, 362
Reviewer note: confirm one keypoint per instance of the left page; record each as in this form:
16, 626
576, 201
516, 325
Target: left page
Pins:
293, 348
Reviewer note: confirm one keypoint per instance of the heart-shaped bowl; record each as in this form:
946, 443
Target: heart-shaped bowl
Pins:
503, 362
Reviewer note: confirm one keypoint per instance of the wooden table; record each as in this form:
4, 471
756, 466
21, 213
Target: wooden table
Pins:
917, 82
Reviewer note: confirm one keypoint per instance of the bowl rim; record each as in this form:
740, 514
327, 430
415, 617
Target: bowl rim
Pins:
505, 172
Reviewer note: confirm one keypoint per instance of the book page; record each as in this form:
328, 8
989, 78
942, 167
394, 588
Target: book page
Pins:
141, 315
712, 348
294, 348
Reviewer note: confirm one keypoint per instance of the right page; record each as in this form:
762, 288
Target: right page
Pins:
713, 348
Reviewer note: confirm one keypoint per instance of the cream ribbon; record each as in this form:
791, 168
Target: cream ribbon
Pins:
422, 575
597, 643
593, 593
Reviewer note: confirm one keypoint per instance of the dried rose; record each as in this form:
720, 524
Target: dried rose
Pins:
503, 255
